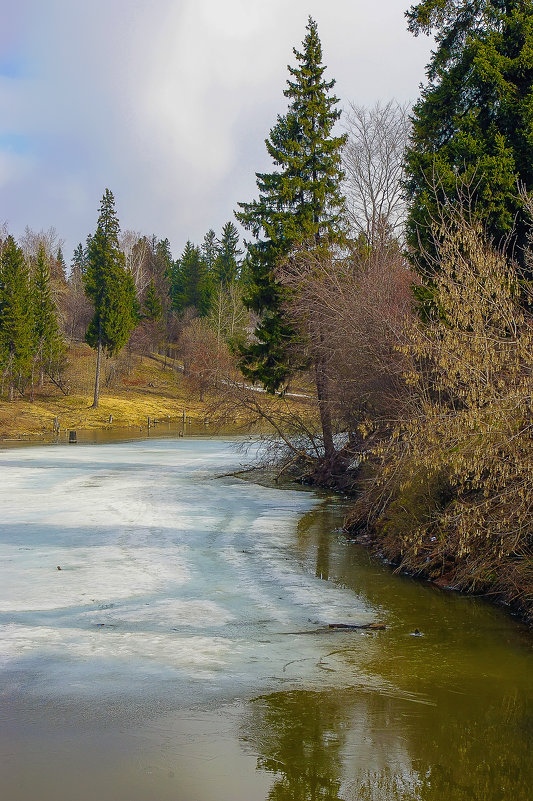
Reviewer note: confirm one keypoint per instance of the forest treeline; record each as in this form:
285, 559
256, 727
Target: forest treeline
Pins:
121, 287
386, 280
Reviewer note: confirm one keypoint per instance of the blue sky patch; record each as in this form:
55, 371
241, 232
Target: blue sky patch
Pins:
12, 67
14, 143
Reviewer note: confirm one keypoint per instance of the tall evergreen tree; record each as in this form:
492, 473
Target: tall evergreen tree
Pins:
48, 342
163, 263
210, 250
163, 258
61, 267
175, 288
300, 205
77, 265
190, 285
110, 287
227, 261
152, 306
473, 125
16, 340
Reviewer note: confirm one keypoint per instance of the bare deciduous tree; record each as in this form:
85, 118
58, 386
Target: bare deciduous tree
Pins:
136, 249
453, 495
4, 233
351, 319
204, 358
352, 315
373, 166
31, 241
228, 315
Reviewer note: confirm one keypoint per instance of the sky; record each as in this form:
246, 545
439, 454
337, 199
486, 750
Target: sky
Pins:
168, 102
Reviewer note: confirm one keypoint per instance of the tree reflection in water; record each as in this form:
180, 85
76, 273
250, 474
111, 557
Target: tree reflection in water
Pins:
445, 716
315, 743
348, 745
299, 736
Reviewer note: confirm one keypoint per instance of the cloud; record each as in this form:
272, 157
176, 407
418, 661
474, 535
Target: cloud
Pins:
168, 102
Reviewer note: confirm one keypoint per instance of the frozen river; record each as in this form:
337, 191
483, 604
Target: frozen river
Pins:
164, 636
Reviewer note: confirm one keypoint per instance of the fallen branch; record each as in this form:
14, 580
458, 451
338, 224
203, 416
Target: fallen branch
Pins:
59, 384
239, 472
371, 626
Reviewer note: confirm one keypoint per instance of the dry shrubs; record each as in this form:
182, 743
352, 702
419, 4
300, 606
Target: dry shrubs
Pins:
457, 475
351, 314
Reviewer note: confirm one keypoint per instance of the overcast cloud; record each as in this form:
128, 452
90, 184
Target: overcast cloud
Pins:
168, 102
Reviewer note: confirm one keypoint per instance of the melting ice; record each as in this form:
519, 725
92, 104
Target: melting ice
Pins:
167, 573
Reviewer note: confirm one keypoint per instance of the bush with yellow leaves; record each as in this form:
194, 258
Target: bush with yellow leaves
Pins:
456, 479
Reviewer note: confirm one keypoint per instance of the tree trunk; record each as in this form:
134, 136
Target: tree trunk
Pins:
324, 407
97, 379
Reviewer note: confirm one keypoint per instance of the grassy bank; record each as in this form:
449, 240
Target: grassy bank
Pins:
133, 389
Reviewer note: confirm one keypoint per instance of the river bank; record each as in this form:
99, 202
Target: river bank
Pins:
503, 580
388, 529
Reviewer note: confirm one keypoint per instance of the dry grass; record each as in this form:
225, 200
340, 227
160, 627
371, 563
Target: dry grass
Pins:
138, 388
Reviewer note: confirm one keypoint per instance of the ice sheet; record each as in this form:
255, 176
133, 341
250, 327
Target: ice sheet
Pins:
165, 570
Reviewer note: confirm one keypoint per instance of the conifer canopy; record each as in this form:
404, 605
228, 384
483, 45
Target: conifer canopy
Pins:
16, 319
48, 341
473, 125
110, 287
299, 204
108, 284
227, 262
189, 281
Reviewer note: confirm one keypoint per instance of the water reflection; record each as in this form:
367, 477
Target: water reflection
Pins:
315, 534
330, 746
300, 737
445, 716
350, 745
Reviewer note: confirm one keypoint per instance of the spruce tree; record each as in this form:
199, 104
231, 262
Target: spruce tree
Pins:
473, 125
77, 308
16, 336
300, 204
163, 260
48, 343
190, 285
227, 261
77, 265
210, 251
162, 270
110, 288
152, 306
61, 267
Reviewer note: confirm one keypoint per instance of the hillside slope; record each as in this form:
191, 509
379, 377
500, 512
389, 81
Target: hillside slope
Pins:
133, 389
